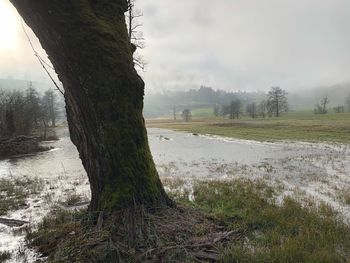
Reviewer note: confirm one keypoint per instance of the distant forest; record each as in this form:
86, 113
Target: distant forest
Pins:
15, 94
163, 104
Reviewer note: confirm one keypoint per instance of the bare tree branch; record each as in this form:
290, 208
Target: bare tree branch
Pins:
41, 60
135, 36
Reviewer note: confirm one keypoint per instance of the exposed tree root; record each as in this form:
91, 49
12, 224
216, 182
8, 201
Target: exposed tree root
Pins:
134, 235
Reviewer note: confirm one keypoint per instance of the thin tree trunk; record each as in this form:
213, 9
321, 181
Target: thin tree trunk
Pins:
45, 130
87, 42
130, 20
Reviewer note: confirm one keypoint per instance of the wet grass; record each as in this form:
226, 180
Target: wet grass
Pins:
286, 233
59, 225
131, 235
14, 192
260, 230
300, 126
73, 199
344, 195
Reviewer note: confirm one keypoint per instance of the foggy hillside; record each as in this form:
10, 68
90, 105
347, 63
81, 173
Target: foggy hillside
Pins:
161, 104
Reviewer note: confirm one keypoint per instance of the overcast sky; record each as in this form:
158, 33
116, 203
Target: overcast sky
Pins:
226, 44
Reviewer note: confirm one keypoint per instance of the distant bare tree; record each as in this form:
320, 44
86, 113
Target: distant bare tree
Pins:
338, 109
10, 123
216, 110
49, 103
235, 109
135, 35
186, 114
277, 102
2, 111
347, 102
174, 113
252, 110
32, 107
321, 108
324, 103
13, 114
262, 109
318, 109
18, 110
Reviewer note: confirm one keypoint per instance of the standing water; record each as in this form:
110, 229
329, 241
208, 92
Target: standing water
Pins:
316, 170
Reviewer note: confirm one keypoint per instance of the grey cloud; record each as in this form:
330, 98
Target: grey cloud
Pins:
250, 44
233, 44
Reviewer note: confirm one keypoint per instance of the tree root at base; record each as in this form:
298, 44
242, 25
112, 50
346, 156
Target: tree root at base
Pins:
133, 235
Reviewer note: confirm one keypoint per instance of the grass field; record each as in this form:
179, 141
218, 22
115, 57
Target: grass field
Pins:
298, 126
289, 232
262, 231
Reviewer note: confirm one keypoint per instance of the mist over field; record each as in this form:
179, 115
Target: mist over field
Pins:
163, 103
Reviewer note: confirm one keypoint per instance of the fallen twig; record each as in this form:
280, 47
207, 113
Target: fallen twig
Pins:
163, 250
12, 222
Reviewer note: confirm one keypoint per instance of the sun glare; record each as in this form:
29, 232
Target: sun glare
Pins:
8, 26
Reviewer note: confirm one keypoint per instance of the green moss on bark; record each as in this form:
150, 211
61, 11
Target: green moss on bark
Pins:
88, 45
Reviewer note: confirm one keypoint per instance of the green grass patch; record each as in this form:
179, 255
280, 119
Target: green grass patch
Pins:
203, 112
73, 199
344, 195
56, 227
286, 233
296, 126
14, 192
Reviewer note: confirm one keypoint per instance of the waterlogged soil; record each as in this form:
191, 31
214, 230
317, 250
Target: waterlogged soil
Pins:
302, 170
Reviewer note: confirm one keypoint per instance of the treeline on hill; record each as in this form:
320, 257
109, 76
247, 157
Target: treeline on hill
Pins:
235, 104
273, 105
164, 103
21, 112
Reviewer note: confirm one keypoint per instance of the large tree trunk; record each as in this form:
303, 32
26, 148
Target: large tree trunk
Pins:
88, 45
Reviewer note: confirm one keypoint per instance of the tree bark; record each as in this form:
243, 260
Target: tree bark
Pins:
87, 43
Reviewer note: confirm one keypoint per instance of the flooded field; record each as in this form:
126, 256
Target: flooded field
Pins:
301, 170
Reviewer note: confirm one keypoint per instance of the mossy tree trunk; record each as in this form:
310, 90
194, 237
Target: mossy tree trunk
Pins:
88, 45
